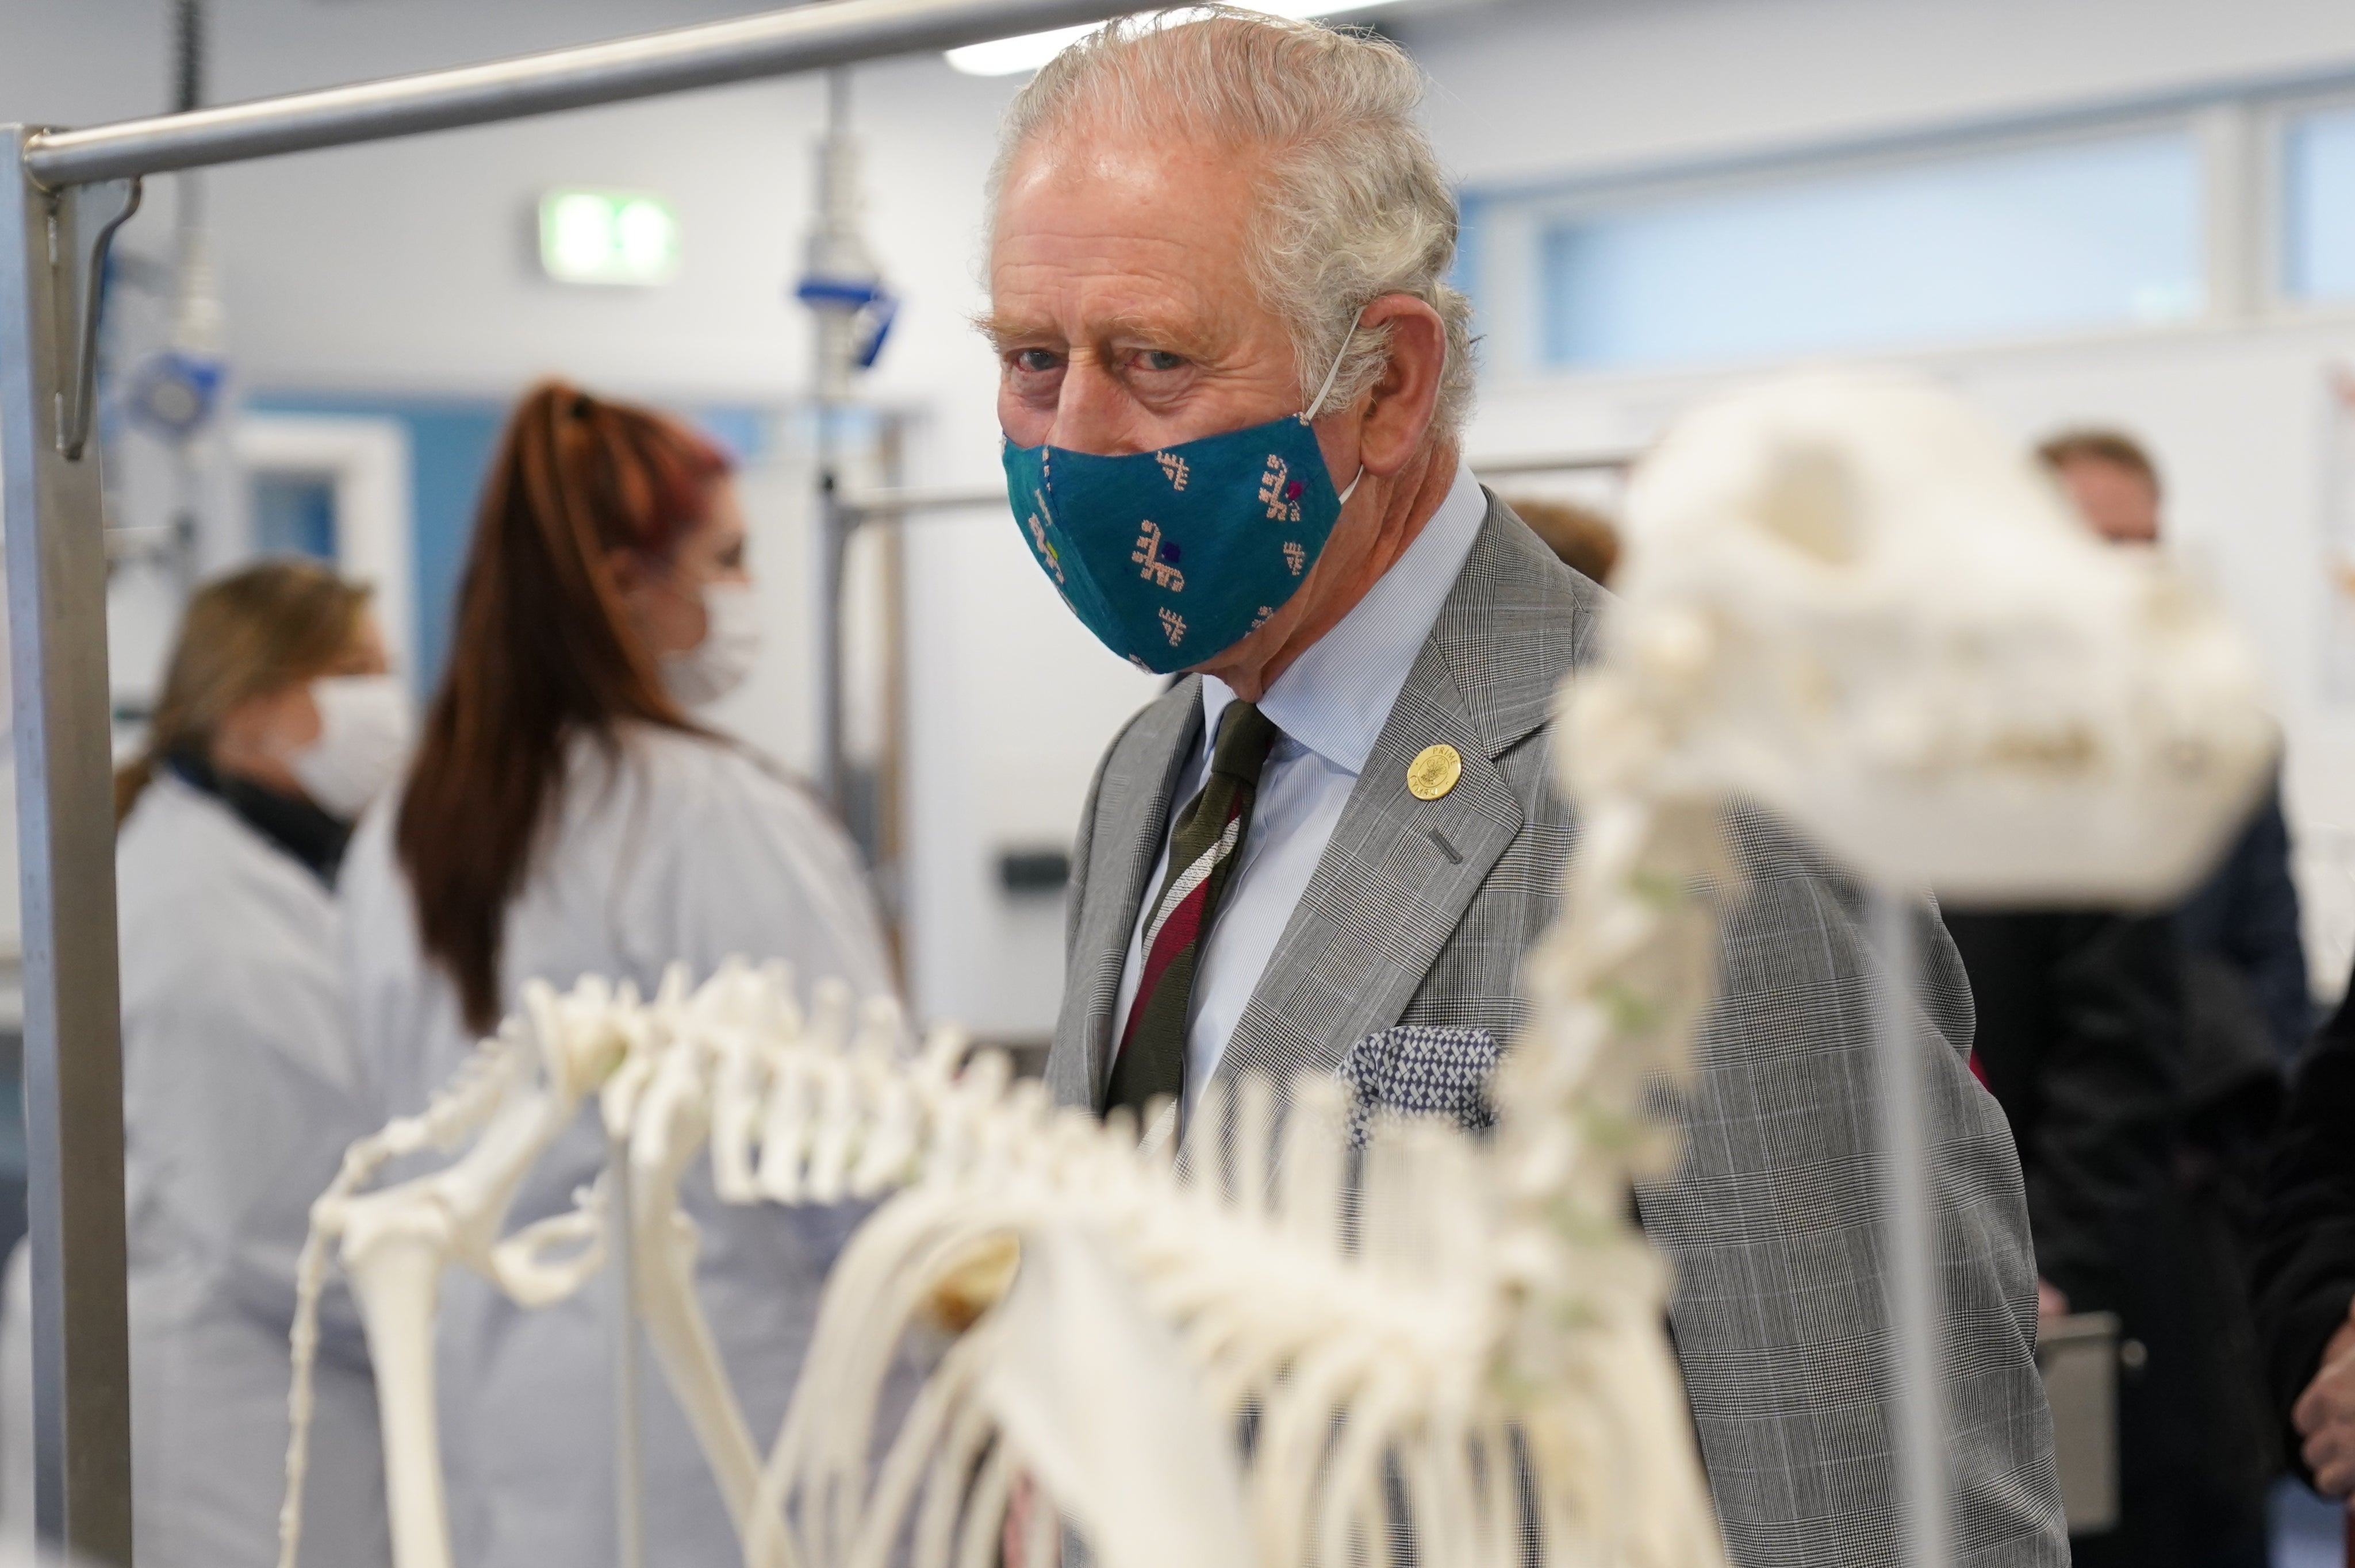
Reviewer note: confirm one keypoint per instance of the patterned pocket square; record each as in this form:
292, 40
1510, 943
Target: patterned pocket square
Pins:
1417, 1070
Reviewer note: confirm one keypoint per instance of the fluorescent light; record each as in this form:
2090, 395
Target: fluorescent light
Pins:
1003, 57
607, 237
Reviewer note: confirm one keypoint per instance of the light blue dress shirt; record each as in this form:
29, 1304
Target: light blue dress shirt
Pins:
1331, 706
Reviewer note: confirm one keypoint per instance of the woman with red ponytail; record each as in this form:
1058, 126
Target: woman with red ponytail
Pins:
566, 815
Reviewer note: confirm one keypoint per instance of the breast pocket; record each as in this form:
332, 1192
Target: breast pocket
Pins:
1418, 1070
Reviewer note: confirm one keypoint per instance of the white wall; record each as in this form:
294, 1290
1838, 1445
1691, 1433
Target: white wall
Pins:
2237, 413
1539, 89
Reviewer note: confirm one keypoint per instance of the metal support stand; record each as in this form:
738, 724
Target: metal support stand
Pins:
835, 522
1909, 1266
197, 327
83, 228
840, 276
71, 189
49, 250
621, 1254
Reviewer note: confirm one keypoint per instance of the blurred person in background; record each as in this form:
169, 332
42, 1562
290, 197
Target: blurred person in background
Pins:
2140, 1071
566, 816
278, 722
1583, 539
2247, 982
2080, 1037
2241, 985
2304, 1272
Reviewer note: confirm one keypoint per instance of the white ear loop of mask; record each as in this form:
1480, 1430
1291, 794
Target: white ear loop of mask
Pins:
1318, 402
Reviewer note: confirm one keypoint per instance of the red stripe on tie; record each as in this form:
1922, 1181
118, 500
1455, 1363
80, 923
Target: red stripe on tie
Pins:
1177, 935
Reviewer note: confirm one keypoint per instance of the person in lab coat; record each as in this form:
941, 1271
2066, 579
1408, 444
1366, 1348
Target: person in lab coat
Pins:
565, 815
278, 722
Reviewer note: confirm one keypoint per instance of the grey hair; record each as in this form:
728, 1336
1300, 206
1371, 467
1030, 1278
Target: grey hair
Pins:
1353, 203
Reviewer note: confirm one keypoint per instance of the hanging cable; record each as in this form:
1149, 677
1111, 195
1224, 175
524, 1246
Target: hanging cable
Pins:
189, 55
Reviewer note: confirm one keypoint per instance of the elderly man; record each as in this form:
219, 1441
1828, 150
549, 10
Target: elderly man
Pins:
1233, 378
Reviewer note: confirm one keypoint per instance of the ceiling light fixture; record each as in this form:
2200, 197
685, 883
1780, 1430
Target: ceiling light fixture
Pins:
1005, 57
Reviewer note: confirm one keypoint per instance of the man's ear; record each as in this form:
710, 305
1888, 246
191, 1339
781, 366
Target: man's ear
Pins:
1406, 398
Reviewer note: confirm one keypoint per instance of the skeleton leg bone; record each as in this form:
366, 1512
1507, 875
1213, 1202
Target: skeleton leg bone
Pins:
670, 1125
520, 1092
396, 1275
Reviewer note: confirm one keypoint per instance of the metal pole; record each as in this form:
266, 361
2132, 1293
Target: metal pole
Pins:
195, 310
65, 813
900, 505
834, 250
1910, 1270
1569, 463
629, 1468
834, 525
778, 43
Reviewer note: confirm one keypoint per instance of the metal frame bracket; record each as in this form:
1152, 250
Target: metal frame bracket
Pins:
55, 548
71, 191
100, 208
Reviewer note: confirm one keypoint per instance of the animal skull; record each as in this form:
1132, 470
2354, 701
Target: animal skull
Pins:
1848, 597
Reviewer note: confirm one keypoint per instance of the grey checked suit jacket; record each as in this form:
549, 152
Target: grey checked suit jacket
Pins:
1419, 913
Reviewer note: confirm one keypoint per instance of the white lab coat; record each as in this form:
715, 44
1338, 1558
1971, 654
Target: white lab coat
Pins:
240, 1090
681, 848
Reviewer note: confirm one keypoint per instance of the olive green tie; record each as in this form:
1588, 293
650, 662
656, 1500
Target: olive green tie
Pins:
1202, 854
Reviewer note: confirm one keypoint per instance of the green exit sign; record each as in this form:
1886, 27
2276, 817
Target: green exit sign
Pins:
607, 237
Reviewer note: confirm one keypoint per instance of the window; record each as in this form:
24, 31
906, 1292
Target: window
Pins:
2076, 234
294, 514
2318, 193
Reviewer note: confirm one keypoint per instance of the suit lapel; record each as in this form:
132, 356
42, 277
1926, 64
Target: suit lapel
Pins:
1400, 871
1133, 817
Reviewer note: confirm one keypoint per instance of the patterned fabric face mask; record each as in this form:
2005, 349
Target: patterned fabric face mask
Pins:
1173, 556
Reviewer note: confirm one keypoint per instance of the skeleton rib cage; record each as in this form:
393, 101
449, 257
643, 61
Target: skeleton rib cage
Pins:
1285, 1286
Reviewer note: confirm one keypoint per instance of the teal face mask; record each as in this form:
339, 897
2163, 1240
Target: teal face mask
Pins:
1173, 556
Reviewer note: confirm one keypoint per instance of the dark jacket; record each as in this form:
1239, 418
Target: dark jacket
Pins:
2304, 1272
2245, 915
2082, 1039
2077, 1041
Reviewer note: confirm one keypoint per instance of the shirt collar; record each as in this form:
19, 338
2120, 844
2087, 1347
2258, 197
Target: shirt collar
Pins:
288, 822
1337, 696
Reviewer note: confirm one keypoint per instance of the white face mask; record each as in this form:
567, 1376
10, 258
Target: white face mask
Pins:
365, 732
731, 643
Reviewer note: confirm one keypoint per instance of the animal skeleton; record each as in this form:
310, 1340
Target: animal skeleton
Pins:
1843, 597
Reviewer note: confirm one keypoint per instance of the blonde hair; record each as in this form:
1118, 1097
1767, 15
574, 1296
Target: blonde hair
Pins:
1353, 203
245, 635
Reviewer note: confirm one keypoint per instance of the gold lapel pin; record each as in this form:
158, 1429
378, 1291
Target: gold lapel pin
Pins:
1433, 772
